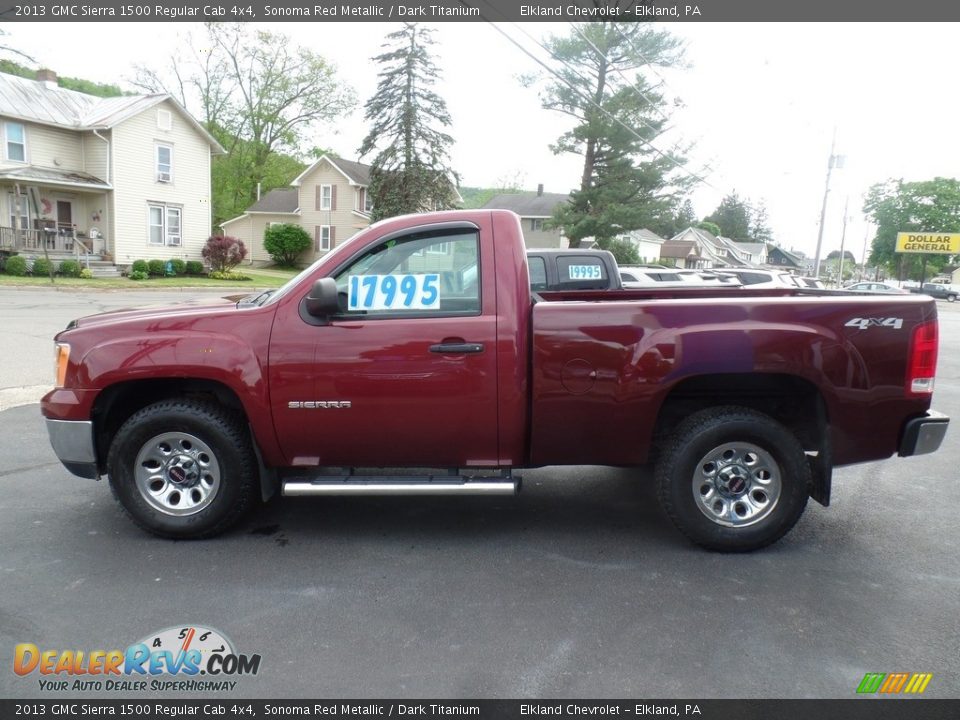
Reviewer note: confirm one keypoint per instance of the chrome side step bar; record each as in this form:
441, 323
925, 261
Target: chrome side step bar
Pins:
399, 485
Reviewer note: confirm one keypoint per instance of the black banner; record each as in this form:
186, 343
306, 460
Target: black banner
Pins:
477, 10
862, 709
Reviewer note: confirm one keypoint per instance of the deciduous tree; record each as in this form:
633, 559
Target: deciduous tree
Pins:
897, 206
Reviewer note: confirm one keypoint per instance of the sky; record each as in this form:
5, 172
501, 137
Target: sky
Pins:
759, 103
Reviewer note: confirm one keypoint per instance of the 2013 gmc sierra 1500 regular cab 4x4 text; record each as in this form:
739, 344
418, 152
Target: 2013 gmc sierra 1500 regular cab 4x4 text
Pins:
418, 344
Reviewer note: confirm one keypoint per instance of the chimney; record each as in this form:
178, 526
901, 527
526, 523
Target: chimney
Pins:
47, 77
540, 190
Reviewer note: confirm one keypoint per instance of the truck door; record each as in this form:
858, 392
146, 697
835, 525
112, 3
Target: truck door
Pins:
406, 373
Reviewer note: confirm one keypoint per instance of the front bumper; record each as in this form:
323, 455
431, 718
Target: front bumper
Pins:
73, 443
923, 435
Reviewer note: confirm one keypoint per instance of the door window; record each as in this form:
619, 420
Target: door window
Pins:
435, 274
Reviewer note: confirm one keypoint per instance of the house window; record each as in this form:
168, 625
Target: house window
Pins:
19, 219
326, 197
536, 224
164, 120
16, 142
164, 225
164, 163
322, 238
364, 204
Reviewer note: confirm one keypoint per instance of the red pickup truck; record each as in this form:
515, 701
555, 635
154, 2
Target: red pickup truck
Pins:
418, 344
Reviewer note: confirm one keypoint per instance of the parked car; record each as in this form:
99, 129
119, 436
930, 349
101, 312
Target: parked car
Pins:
743, 400
756, 278
875, 287
636, 277
809, 282
938, 291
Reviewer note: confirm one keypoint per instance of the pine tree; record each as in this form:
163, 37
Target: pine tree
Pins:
411, 171
626, 183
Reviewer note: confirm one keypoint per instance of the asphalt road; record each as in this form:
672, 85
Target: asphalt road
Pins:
579, 587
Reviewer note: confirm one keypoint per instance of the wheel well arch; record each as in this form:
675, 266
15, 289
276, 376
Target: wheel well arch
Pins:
118, 402
793, 401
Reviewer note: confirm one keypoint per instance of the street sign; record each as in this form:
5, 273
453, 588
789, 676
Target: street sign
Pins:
944, 243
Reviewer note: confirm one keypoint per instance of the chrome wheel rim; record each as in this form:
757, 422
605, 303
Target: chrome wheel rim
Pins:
737, 484
177, 473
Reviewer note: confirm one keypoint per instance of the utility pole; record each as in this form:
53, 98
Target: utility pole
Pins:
834, 161
843, 238
863, 258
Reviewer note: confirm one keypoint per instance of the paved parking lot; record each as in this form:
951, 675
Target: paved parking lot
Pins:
577, 588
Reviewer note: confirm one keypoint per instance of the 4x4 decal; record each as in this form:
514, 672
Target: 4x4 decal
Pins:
864, 323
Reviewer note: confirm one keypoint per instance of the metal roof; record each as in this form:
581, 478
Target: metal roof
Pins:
42, 102
52, 176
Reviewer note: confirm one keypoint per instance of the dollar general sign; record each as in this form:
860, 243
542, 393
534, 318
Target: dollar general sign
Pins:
947, 243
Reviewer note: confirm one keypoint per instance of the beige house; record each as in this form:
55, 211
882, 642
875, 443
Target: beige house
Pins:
329, 200
124, 178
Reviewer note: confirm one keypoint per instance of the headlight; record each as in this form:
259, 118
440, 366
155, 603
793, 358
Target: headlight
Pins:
62, 355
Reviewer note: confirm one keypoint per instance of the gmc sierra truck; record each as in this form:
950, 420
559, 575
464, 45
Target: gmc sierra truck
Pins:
419, 344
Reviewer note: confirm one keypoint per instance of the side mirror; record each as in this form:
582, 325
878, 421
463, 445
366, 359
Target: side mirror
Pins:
322, 300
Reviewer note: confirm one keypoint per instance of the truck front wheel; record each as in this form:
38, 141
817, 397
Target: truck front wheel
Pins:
732, 479
183, 468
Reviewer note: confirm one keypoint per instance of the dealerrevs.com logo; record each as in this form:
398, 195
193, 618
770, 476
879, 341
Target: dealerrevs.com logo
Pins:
187, 658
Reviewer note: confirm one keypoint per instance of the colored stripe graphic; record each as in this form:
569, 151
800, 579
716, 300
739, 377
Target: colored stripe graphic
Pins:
918, 683
893, 683
871, 682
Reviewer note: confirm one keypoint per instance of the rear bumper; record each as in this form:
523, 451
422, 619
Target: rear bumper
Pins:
72, 441
923, 435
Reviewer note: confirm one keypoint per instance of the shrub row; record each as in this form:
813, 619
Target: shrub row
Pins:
18, 266
158, 268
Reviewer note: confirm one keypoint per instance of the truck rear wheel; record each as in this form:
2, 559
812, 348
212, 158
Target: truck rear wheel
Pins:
183, 468
732, 479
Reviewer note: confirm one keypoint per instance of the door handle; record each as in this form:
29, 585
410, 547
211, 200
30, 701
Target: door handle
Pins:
457, 348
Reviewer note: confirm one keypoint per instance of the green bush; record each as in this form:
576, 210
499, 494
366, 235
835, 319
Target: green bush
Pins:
140, 266
138, 275
194, 267
215, 275
179, 266
17, 265
157, 267
86, 274
69, 268
41, 267
286, 243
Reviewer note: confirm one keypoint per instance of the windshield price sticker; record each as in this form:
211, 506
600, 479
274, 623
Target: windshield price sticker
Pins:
584, 272
394, 292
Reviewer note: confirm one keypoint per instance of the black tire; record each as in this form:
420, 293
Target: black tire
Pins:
951, 298
704, 494
225, 487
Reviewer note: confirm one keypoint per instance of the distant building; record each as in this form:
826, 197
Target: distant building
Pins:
698, 248
534, 211
647, 243
780, 258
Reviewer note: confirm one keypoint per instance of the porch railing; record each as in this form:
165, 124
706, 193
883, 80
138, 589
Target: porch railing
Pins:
36, 241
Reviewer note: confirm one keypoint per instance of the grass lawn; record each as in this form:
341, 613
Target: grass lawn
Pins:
271, 278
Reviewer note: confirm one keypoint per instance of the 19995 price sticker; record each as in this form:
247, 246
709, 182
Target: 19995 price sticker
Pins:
393, 292
584, 272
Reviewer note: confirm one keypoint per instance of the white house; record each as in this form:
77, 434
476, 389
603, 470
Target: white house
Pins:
123, 177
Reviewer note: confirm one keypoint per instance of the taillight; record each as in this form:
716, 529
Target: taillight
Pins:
922, 366
62, 356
